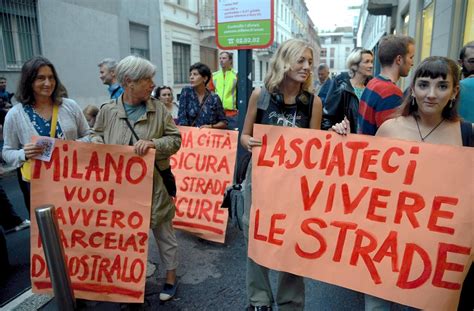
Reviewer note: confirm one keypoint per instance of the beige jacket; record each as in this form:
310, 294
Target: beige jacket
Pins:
156, 125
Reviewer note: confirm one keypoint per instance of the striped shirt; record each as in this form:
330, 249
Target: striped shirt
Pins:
379, 101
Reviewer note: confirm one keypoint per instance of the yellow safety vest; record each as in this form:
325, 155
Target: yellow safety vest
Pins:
226, 88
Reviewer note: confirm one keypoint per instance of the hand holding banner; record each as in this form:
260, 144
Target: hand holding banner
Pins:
204, 168
103, 229
389, 218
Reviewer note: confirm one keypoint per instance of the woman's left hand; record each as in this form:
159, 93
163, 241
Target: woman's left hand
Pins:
343, 127
141, 147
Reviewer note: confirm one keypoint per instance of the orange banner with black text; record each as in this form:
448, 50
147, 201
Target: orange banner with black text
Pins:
103, 229
204, 168
389, 218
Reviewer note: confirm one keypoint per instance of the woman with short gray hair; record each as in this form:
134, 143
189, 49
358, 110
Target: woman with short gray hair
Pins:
345, 92
137, 119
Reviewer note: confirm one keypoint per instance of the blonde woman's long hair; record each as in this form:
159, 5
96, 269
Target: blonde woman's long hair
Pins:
287, 55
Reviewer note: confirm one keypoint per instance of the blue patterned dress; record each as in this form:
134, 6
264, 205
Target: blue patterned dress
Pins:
191, 113
41, 125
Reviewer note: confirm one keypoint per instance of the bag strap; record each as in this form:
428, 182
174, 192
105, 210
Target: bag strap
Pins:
114, 92
263, 102
138, 138
54, 121
202, 106
467, 134
310, 107
263, 99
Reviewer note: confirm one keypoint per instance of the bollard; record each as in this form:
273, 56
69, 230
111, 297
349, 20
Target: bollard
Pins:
54, 253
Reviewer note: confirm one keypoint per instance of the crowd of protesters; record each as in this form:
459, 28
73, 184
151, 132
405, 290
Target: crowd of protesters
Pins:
437, 107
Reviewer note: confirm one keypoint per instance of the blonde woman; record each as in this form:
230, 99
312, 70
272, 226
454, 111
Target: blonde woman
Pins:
346, 90
292, 104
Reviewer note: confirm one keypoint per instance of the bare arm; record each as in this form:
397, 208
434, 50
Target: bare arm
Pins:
246, 139
386, 129
316, 114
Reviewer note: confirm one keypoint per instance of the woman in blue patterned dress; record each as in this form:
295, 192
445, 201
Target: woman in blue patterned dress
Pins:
197, 105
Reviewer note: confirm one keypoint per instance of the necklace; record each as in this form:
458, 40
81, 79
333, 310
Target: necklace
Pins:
432, 130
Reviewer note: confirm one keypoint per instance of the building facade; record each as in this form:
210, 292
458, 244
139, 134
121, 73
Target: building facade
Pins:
173, 34
291, 20
335, 47
80, 35
439, 27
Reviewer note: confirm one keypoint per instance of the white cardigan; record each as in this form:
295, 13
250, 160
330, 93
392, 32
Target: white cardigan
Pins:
18, 129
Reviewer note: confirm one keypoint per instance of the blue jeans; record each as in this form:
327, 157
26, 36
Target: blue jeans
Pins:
373, 303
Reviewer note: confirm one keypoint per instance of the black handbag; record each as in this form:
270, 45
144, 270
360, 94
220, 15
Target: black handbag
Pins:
168, 178
233, 197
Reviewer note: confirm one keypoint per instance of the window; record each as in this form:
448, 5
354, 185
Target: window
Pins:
139, 44
469, 23
406, 20
427, 30
333, 50
181, 62
331, 63
335, 39
253, 70
324, 52
19, 36
209, 56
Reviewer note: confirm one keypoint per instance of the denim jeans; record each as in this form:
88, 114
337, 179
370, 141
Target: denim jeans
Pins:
290, 289
373, 303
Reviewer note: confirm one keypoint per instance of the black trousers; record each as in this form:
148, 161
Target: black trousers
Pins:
466, 302
25, 189
9, 219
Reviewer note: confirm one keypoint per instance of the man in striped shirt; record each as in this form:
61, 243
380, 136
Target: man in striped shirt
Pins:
382, 96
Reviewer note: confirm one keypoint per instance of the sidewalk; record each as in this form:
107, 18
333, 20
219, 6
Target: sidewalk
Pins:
30, 301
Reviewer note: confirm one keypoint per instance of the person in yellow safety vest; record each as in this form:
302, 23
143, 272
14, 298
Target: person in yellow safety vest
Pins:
224, 83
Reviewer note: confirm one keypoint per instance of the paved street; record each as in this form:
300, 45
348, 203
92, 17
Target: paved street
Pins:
211, 276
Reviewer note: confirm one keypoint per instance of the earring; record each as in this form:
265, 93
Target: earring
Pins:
451, 103
413, 102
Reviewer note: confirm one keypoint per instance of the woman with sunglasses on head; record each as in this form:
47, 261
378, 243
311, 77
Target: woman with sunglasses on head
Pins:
197, 105
165, 95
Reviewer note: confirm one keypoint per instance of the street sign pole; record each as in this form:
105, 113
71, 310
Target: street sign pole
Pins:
244, 89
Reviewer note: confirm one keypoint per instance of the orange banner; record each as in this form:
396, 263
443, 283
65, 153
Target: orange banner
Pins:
390, 218
204, 168
104, 230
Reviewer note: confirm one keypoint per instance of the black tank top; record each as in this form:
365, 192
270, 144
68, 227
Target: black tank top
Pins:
294, 115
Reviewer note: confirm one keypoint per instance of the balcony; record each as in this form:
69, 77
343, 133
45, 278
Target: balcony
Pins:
268, 51
381, 7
